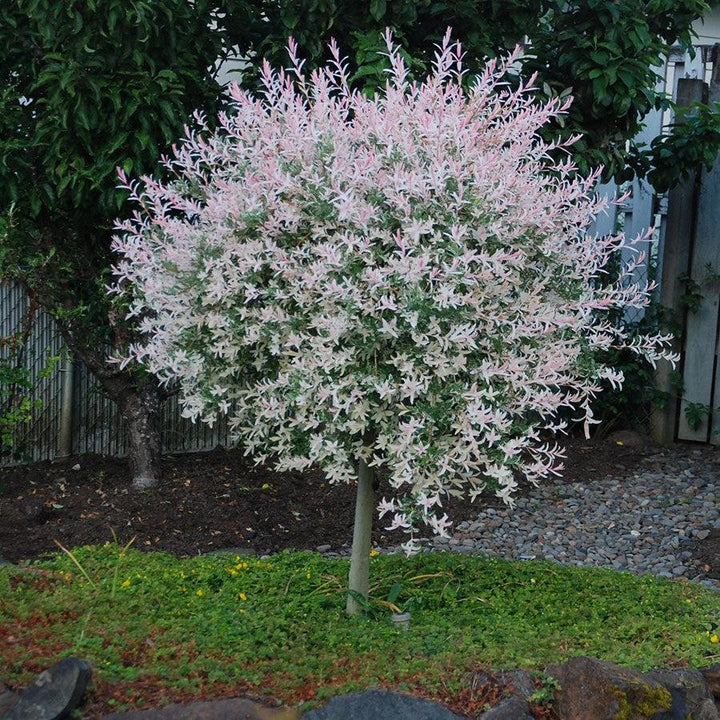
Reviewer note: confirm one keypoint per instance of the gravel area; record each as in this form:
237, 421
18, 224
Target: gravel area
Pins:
651, 521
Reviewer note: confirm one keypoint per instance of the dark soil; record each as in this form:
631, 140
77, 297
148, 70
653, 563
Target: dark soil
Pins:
220, 500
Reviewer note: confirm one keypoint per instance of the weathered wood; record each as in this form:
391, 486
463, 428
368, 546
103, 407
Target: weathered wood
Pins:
713, 240
699, 363
676, 261
701, 326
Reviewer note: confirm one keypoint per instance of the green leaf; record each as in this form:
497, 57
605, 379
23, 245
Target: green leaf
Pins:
378, 9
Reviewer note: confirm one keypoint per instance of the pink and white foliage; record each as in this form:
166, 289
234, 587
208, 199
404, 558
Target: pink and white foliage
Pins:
404, 279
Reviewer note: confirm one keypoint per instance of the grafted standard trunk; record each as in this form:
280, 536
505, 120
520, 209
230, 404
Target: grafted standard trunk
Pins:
359, 580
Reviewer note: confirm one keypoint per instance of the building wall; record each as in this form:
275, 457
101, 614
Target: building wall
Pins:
708, 29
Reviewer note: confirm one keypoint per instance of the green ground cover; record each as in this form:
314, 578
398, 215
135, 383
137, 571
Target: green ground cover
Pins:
276, 627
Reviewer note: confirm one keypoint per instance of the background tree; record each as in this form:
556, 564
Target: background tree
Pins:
398, 281
607, 53
87, 86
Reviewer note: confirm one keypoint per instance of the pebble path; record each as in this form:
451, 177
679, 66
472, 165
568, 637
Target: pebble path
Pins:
644, 522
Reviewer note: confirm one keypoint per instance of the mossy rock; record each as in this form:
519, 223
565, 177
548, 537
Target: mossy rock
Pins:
593, 689
641, 701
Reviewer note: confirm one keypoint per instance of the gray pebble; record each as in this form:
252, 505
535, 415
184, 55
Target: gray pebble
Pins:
646, 523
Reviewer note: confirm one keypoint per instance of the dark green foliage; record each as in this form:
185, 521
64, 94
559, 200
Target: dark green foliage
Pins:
610, 53
89, 86
694, 140
629, 407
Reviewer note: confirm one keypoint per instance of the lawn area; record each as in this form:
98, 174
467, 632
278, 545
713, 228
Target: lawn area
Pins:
275, 628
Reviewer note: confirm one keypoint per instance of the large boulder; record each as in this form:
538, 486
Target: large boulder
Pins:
55, 693
597, 690
228, 709
380, 705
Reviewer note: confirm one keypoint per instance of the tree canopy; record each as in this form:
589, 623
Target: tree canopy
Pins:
606, 53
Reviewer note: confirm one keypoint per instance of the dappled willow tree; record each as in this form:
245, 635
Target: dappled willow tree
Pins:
399, 281
606, 53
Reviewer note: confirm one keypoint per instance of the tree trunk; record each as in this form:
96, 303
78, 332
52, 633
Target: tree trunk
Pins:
359, 580
138, 398
141, 412
137, 394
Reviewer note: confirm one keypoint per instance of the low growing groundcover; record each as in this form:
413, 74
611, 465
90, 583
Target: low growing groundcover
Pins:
156, 627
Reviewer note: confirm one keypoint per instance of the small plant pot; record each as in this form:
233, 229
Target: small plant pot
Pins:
401, 621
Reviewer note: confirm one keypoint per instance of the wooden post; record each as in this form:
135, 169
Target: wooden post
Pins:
675, 262
711, 241
65, 426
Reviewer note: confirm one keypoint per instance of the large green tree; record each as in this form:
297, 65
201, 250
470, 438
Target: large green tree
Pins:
87, 86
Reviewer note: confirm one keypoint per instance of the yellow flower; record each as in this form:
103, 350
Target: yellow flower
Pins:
374, 553
714, 639
199, 593
243, 596
126, 583
308, 576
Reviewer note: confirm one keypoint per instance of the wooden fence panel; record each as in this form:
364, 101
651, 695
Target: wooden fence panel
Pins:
675, 261
701, 333
97, 427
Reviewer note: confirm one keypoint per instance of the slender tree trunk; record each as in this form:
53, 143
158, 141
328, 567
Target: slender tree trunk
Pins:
359, 580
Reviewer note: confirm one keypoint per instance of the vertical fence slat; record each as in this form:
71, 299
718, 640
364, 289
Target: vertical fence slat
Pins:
676, 260
702, 322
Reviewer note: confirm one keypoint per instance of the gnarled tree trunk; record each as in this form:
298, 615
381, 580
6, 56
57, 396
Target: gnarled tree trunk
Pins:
140, 409
139, 399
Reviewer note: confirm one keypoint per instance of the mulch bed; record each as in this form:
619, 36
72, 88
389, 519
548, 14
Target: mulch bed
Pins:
211, 501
